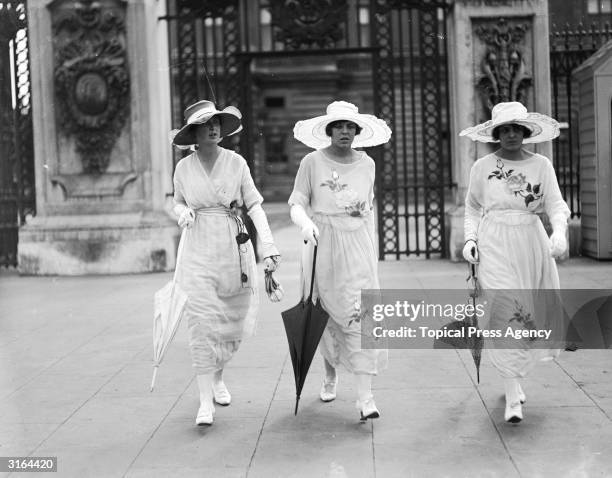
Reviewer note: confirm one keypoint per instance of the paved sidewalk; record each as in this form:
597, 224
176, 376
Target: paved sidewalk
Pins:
75, 368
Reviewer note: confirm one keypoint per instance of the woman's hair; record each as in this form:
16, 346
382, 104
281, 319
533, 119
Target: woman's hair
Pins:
333, 124
526, 131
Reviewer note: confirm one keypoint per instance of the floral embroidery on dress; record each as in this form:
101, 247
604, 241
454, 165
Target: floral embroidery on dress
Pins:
345, 197
517, 184
357, 314
522, 317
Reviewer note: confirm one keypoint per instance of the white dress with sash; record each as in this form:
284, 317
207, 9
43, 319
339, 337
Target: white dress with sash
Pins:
221, 308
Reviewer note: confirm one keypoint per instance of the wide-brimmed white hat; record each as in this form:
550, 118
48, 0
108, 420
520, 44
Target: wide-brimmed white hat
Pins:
311, 132
200, 113
542, 127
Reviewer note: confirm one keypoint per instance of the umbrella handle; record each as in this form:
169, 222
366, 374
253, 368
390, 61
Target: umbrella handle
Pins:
472, 272
155, 367
312, 278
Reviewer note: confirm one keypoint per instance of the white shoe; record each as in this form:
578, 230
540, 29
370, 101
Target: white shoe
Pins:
221, 394
368, 409
514, 412
205, 415
328, 391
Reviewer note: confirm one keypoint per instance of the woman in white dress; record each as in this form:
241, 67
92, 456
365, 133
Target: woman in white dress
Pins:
336, 183
217, 269
504, 234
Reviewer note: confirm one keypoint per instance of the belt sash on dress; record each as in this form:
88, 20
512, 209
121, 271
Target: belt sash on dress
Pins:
242, 253
214, 211
511, 217
342, 221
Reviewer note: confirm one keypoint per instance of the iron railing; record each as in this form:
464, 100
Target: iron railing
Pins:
17, 189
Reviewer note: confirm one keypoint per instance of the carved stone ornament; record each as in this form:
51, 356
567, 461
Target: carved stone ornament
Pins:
505, 75
92, 82
308, 22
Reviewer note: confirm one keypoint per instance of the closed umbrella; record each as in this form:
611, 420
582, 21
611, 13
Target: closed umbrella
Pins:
304, 325
474, 342
169, 304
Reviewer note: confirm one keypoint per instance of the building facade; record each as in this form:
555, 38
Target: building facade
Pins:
124, 72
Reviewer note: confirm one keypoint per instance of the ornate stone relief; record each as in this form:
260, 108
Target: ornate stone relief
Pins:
308, 23
92, 83
504, 72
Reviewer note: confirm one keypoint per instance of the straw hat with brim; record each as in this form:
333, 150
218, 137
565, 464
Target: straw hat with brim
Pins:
542, 127
200, 113
311, 132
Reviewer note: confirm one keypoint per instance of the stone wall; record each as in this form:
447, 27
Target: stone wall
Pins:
103, 159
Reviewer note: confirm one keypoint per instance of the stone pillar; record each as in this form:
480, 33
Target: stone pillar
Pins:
100, 99
498, 51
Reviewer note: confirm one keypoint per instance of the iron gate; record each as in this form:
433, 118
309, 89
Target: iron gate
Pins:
569, 48
16, 145
284, 60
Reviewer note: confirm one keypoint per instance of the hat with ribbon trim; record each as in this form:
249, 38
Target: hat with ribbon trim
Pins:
200, 113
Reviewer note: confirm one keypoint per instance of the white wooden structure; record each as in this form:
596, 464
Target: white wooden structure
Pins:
594, 79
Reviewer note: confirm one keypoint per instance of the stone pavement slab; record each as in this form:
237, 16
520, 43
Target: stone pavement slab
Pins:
75, 369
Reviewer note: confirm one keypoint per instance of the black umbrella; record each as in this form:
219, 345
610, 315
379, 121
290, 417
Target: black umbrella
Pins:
304, 325
474, 342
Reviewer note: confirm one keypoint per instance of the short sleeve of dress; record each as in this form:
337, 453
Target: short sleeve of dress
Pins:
250, 194
302, 188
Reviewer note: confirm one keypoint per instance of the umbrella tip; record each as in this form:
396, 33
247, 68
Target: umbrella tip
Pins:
297, 401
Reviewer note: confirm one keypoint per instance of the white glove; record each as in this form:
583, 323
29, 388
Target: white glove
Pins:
268, 249
310, 232
271, 263
471, 219
470, 251
186, 217
558, 242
